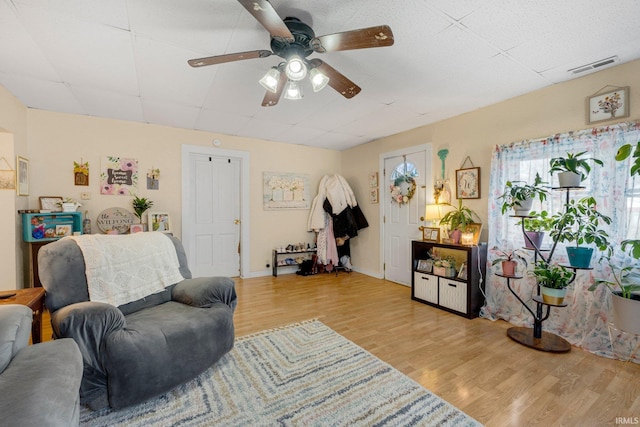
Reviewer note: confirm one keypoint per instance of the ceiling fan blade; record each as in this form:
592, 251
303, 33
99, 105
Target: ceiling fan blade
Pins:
356, 39
230, 57
270, 98
268, 17
337, 80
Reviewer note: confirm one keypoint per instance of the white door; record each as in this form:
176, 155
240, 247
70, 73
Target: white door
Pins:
212, 217
401, 221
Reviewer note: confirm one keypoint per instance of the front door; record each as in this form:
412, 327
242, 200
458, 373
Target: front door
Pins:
402, 220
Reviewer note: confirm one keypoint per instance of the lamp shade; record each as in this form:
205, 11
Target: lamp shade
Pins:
270, 80
296, 69
292, 91
318, 80
433, 212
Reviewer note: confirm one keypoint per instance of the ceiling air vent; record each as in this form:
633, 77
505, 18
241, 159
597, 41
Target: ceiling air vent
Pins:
594, 65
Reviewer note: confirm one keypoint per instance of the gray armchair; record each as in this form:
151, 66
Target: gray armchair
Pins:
146, 347
39, 384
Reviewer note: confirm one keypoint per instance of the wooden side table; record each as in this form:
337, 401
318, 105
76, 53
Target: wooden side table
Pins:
34, 299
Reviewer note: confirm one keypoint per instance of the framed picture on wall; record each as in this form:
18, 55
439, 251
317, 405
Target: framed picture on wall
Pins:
468, 183
611, 105
22, 171
373, 195
373, 179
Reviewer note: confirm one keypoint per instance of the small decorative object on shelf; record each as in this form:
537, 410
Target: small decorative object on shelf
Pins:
458, 219
140, 206
69, 205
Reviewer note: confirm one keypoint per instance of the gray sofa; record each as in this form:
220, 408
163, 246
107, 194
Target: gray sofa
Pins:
146, 347
39, 384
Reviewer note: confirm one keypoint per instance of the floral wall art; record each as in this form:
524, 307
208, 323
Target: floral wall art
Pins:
285, 191
119, 176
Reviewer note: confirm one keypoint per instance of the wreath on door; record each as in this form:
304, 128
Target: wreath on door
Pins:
403, 189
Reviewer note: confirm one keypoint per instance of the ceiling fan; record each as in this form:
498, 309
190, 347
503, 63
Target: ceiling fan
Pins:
294, 41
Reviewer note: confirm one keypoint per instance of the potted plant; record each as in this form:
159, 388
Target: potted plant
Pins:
445, 267
625, 299
520, 197
553, 280
69, 205
573, 169
140, 205
579, 223
535, 226
457, 220
509, 261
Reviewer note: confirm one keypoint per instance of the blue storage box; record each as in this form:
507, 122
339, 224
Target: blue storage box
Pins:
44, 227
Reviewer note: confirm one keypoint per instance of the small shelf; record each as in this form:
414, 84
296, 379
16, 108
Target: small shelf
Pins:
276, 253
508, 277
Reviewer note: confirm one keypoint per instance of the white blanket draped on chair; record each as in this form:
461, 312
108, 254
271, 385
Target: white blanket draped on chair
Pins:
125, 268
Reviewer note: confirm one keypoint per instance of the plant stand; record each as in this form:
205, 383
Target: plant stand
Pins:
535, 337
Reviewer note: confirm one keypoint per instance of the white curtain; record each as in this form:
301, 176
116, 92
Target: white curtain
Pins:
585, 322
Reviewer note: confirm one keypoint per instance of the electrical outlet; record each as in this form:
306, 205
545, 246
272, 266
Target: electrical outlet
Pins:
85, 195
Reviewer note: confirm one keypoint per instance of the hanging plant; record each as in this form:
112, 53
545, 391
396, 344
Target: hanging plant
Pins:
403, 189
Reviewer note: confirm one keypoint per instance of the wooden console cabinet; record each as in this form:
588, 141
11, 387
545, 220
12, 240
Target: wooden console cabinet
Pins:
457, 295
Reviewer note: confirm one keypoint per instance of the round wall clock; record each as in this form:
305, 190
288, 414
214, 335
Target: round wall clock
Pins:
115, 219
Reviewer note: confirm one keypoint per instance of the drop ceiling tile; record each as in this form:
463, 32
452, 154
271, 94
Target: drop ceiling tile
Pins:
235, 87
30, 92
18, 52
202, 26
84, 53
458, 9
164, 74
221, 121
264, 129
112, 105
169, 114
337, 141
299, 135
113, 12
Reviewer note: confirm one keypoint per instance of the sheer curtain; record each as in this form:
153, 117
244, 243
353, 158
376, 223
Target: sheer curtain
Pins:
584, 322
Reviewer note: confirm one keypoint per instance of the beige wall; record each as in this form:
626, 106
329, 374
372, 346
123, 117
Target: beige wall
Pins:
52, 141
56, 140
13, 142
558, 108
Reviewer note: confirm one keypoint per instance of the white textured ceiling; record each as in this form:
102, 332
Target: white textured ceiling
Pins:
127, 59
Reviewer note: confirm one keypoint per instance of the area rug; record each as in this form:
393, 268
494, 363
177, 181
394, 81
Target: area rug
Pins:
304, 374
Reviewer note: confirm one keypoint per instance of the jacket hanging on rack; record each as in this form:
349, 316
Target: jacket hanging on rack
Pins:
335, 207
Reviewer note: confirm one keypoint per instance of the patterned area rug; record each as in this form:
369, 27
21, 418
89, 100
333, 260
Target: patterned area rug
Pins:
301, 374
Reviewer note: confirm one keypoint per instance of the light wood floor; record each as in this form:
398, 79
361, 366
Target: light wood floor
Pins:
470, 363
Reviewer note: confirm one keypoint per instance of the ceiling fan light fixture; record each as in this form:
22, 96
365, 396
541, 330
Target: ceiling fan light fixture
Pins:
318, 80
270, 80
292, 91
296, 68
